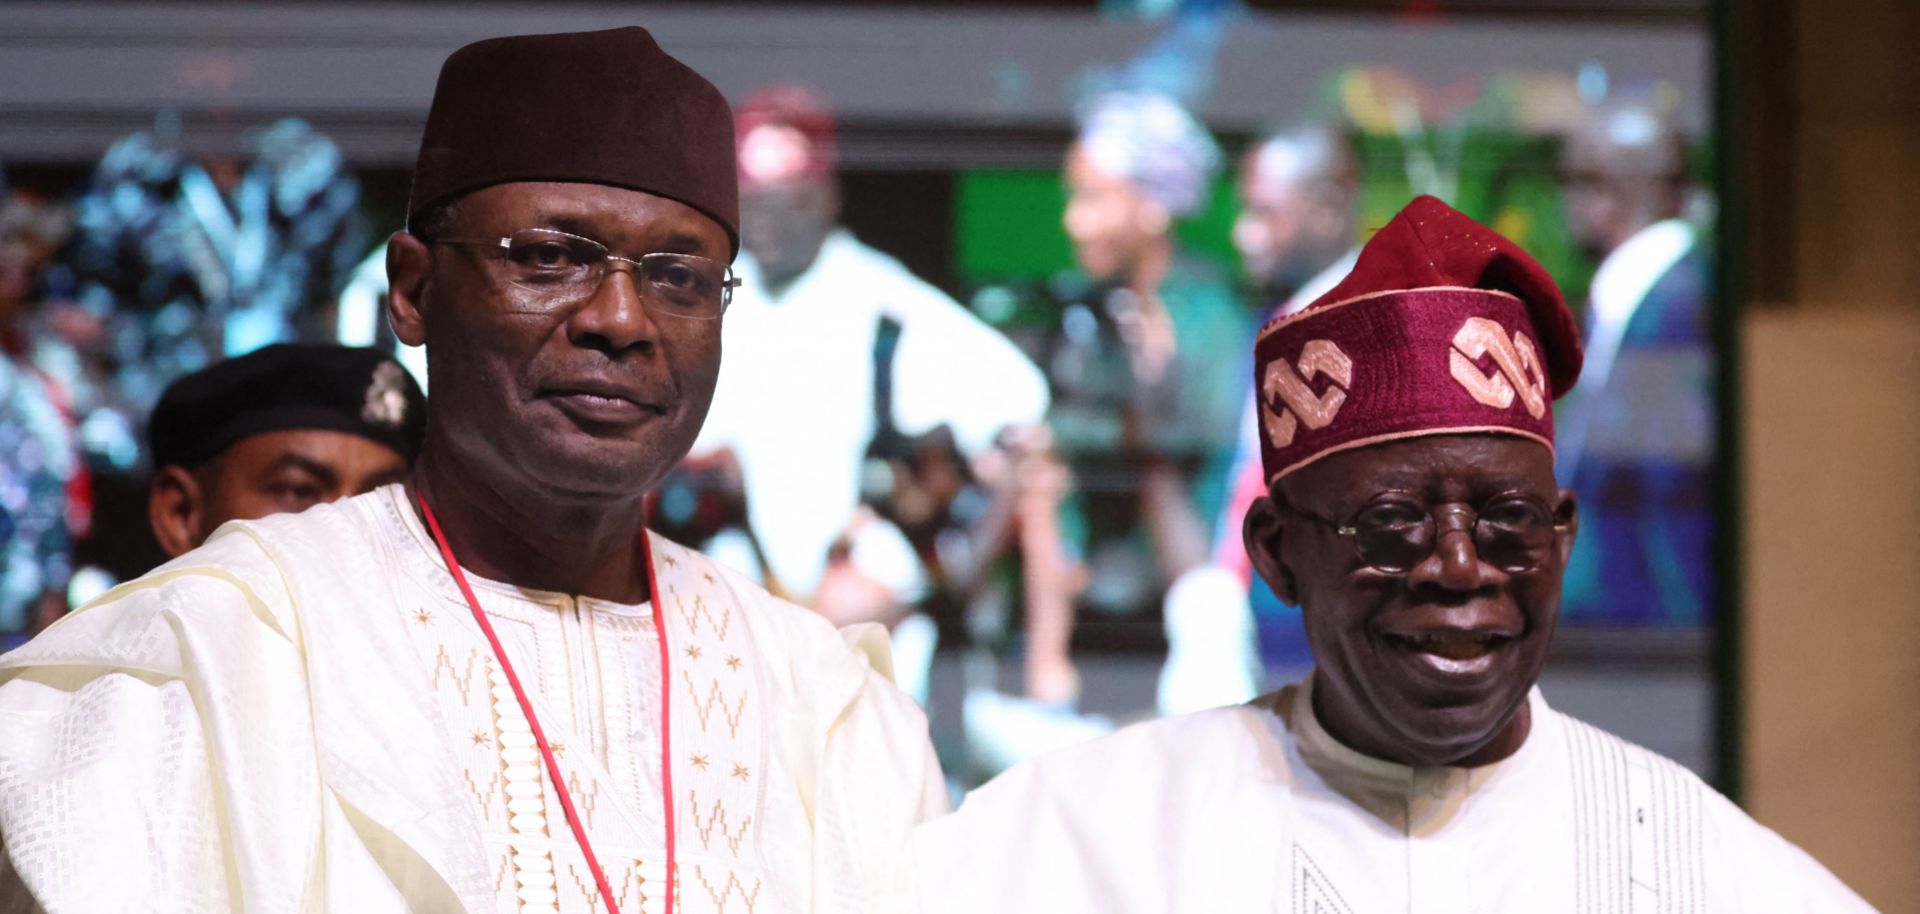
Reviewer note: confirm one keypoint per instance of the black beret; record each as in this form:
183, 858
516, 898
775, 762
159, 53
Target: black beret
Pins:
288, 386
596, 107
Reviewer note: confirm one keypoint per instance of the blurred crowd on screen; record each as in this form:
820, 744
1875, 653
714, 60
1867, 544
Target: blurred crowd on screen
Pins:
1010, 470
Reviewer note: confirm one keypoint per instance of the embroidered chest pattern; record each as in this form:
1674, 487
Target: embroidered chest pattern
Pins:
717, 738
717, 774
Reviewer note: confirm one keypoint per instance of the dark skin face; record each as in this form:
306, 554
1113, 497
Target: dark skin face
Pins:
1430, 667
1613, 188
783, 224
550, 424
1291, 226
269, 473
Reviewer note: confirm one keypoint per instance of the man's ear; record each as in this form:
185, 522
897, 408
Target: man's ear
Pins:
409, 263
1263, 531
1568, 513
175, 507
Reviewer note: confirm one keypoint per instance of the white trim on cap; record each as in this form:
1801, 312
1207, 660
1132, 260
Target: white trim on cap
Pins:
1416, 433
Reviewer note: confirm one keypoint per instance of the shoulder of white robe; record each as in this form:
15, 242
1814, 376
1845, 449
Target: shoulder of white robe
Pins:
869, 642
1762, 867
128, 627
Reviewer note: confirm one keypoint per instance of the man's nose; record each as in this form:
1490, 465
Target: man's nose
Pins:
1455, 563
615, 317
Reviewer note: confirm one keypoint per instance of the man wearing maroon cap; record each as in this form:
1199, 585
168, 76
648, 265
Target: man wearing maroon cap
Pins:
1413, 515
487, 688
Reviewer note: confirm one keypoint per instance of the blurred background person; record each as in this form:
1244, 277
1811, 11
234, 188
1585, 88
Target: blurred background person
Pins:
1148, 369
43, 485
855, 395
1640, 442
1296, 236
182, 259
278, 430
1150, 374
190, 244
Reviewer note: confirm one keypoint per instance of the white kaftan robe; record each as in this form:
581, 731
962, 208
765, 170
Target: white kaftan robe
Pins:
302, 716
1254, 808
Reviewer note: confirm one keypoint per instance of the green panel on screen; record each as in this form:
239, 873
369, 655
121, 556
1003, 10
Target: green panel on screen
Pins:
1007, 225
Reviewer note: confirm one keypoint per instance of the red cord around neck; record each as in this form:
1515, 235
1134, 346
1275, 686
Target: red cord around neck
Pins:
540, 736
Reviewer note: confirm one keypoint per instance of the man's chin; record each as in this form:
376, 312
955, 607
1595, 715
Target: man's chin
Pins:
1448, 735
600, 470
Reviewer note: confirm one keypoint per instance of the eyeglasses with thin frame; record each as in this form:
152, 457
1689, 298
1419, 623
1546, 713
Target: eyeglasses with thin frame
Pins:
551, 269
1514, 533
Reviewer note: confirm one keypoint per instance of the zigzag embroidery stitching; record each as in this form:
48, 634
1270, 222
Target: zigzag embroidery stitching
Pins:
1313, 892
587, 799
717, 816
500, 872
585, 884
700, 611
481, 795
465, 682
725, 893
703, 707
632, 883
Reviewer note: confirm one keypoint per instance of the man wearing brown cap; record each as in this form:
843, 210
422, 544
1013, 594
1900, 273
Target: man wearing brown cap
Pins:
488, 688
1413, 515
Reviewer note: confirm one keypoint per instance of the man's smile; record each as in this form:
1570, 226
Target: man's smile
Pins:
1454, 654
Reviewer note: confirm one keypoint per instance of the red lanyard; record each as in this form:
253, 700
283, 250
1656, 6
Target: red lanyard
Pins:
540, 736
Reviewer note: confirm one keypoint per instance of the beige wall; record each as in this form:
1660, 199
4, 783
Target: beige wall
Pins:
1831, 445
1832, 616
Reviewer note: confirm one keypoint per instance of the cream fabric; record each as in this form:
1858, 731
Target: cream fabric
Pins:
301, 716
1255, 808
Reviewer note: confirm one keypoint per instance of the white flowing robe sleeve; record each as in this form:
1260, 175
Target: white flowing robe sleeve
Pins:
1758, 872
879, 776
1178, 815
139, 766
871, 776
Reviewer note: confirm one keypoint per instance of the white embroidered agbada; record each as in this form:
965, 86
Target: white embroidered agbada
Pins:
303, 716
1255, 808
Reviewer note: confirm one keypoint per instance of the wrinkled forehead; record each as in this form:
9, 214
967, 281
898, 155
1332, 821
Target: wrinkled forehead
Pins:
1448, 467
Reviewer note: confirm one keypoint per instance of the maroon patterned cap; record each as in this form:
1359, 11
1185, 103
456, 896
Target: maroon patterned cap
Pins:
1443, 327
